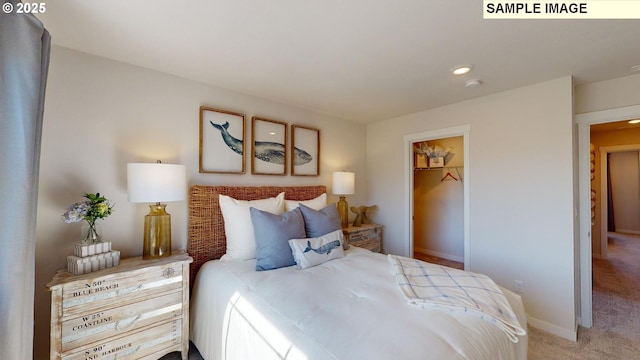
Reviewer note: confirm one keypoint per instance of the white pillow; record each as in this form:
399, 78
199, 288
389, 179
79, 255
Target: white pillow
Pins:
241, 243
316, 204
315, 251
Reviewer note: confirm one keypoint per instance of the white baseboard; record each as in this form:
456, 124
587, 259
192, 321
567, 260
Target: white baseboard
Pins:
439, 254
553, 329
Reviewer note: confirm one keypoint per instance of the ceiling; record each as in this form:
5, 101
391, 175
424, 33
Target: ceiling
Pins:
612, 126
361, 60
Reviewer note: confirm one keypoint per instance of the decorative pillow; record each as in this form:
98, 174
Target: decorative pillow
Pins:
316, 204
315, 251
241, 243
272, 234
321, 222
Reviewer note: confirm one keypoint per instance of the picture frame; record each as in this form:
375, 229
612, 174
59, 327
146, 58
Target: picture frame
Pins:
268, 147
222, 134
305, 151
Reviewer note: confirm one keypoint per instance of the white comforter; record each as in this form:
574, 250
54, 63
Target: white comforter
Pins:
349, 308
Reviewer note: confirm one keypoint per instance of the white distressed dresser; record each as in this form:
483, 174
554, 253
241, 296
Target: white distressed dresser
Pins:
136, 310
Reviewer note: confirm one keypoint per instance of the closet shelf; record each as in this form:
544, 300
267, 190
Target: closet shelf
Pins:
438, 168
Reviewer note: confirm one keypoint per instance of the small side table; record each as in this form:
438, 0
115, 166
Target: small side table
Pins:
136, 310
367, 236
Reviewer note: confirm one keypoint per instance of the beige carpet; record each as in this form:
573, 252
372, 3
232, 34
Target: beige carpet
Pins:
616, 311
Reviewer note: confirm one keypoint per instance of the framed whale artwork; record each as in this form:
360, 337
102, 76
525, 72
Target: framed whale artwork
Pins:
221, 141
268, 147
305, 151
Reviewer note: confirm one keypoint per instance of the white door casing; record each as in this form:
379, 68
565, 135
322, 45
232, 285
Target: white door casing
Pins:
462, 130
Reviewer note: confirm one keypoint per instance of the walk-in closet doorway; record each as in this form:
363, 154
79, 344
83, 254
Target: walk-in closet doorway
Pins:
437, 194
438, 201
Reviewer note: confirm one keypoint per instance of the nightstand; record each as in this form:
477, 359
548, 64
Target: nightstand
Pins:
136, 310
367, 236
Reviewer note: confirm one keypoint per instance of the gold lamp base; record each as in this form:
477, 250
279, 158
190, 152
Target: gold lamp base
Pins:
343, 210
157, 232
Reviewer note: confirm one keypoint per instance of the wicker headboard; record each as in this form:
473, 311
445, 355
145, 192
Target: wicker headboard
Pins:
206, 237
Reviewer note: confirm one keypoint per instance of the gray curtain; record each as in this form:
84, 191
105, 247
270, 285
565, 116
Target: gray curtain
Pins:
24, 62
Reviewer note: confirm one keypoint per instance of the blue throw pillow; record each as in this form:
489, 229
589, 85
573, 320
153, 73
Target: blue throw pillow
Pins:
320, 222
272, 234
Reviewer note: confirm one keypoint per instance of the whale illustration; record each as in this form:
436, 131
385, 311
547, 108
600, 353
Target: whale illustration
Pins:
233, 143
271, 152
324, 249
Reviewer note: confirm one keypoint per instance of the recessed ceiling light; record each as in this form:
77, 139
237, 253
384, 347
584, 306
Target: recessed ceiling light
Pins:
461, 70
636, 121
471, 83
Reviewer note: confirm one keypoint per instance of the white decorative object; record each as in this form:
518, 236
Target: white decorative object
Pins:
436, 162
436, 154
92, 257
82, 265
82, 249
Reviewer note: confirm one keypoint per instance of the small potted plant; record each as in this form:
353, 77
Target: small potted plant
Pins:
94, 208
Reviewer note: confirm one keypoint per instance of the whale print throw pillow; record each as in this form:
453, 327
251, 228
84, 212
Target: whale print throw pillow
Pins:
315, 251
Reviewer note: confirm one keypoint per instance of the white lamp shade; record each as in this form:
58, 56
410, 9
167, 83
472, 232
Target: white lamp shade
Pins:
156, 182
344, 183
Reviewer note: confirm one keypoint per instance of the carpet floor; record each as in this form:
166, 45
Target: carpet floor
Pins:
616, 312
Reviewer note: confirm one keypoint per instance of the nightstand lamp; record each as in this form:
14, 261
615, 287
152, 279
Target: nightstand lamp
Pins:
158, 183
343, 184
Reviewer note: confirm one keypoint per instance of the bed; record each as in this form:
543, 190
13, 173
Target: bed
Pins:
347, 308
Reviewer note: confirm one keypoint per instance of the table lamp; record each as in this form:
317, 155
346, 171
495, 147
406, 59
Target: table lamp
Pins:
343, 184
157, 183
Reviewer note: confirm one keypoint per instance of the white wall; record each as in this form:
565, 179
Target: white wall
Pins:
101, 114
609, 94
521, 191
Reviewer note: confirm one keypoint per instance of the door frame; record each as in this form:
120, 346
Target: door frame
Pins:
462, 130
604, 193
584, 122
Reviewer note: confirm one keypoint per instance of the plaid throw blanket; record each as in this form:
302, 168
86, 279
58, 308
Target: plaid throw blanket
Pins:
440, 287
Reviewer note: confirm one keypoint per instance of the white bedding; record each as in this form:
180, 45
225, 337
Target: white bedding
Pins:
348, 308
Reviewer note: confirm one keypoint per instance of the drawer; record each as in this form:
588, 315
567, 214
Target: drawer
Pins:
93, 326
82, 297
364, 235
134, 345
369, 244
